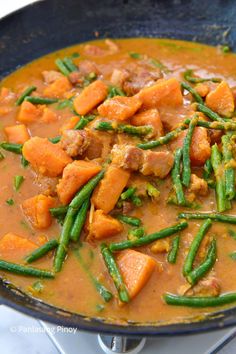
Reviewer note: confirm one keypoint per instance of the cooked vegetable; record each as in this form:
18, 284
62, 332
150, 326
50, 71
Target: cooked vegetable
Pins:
10, 201
18, 180
129, 220
16, 148
103, 226
23, 270
214, 125
152, 191
175, 174
69, 64
62, 67
62, 210
149, 238
115, 273
209, 113
188, 76
229, 169
194, 247
128, 193
172, 254
40, 100
193, 92
25, 94
221, 100
120, 107
136, 233
194, 301
114, 91
122, 128
84, 120
186, 173
24, 162
41, 251
79, 221
213, 216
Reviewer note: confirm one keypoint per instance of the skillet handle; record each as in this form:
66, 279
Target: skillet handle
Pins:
117, 344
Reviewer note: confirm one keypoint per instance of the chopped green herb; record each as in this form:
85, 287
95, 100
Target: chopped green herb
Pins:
10, 201
64, 104
18, 180
233, 256
75, 55
135, 55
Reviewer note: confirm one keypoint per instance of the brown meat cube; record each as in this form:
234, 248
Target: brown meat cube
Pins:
94, 50
75, 142
112, 46
51, 76
206, 287
119, 107
87, 66
119, 76
157, 163
127, 156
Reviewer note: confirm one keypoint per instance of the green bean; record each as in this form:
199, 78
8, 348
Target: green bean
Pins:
124, 128
149, 238
162, 140
2, 157
79, 221
68, 62
136, 200
115, 91
24, 162
188, 76
160, 65
232, 233
18, 180
115, 273
207, 173
26, 93
209, 113
186, 173
129, 220
135, 55
152, 191
62, 210
55, 140
24, 270
10, 201
128, 193
176, 180
136, 233
214, 125
41, 251
213, 216
89, 78
199, 272
64, 239
216, 161
40, 100
16, 148
62, 67
189, 260
194, 301
172, 255
86, 191
193, 92
229, 170
84, 120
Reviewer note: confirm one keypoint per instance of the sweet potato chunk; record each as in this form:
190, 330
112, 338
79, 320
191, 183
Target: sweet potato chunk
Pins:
221, 100
75, 175
119, 107
104, 226
157, 163
90, 97
17, 134
12, 246
70, 124
109, 189
165, 93
48, 116
47, 158
150, 117
28, 113
36, 209
58, 88
136, 269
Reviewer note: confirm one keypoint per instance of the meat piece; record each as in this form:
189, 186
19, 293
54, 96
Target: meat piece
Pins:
119, 76
157, 163
94, 50
206, 287
127, 207
150, 117
119, 107
104, 226
138, 182
198, 185
76, 77
51, 76
221, 100
87, 66
46, 185
127, 156
75, 142
99, 145
112, 46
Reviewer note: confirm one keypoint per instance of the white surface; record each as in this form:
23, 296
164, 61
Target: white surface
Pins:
7, 6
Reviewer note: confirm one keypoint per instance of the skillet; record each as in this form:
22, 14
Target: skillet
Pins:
47, 26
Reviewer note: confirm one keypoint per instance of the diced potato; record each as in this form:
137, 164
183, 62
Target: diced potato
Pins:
28, 113
136, 269
221, 100
150, 117
45, 157
14, 247
165, 93
90, 97
36, 209
17, 134
109, 189
119, 107
58, 88
104, 226
75, 175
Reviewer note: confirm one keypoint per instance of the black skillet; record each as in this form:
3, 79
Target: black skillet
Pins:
53, 24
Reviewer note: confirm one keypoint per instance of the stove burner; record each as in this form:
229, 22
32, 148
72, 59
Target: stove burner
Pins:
114, 344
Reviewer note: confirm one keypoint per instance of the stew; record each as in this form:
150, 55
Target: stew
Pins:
118, 186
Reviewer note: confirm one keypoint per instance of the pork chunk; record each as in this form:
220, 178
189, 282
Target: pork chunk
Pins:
157, 163
127, 156
75, 142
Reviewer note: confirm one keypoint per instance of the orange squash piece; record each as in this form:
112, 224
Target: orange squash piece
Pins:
75, 175
150, 117
45, 157
221, 100
17, 134
109, 189
58, 88
70, 124
165, 93
119, 107
48, 116
104, 226
136, 269
13, 246
90, 97
28, 113
36, 209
